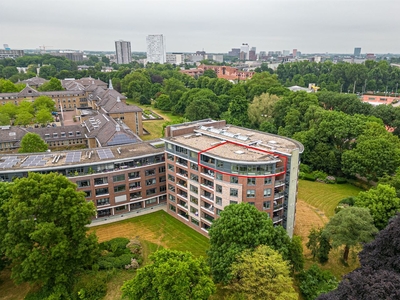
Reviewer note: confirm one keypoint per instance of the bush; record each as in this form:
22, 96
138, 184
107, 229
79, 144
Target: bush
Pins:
314, 282
341, 180
309, 177
305, 168
320, 175
91, 286
350, 201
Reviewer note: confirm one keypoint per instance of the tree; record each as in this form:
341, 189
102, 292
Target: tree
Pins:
4, 119
47, 71
262, 274
5, 195
46, 235
43, 102
43, 116
241, 226
367, 284
163, 102
53, 85
9, 71
23, 118
9, 109
32, 143
210, 73
382, 203
318, 244
315, 281
236, 114
200, 109
172, 275
260, 110
350, 227
6, 86
296, 253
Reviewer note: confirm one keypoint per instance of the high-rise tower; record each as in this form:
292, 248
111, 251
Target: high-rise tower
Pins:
123, 51
156, 48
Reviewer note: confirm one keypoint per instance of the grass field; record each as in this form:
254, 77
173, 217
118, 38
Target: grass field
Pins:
315, 205
154, 127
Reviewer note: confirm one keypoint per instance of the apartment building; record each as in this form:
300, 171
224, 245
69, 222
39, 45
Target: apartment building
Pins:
123, 52
156, 49
194, 172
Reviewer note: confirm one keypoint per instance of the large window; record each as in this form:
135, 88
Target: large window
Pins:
266, 204
218, 188
82, 183
234, 179
119, 188
251, 181
99, 181
181, 149
171, 198
150, 172
170, 177
151, 181
267, 180
133, 175
194, 177
102, 191
194, 166
151, 191
171, 168
218, 200
194, 189
120, 177
267, 192
251, 193
171, 188
103, 201
233, 192
194, 200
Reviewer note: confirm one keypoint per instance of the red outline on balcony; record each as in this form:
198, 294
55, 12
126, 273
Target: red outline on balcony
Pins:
284, 158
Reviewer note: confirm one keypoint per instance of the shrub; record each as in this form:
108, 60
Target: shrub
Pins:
91, 286
309, 177
320, 175
341, 180
305, 168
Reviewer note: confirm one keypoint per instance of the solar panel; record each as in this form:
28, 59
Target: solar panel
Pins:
105, 153
73, 157
34, 160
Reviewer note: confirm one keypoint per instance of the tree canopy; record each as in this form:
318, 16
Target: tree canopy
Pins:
350, 227
172, 275
46, 234
262, 274
31, 143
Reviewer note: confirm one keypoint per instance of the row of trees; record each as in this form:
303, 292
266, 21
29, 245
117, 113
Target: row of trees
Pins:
342, 77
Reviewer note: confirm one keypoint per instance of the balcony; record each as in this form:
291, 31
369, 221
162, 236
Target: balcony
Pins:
278, 195
182, 162
277, 219
279, 183
208, 207
182, 194
183, 204
208, 196
207, 218
208, 184
208, 172
279, 169
278, 207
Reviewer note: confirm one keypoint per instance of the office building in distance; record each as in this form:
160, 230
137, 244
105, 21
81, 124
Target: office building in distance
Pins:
156, 49
123, 52
357, 52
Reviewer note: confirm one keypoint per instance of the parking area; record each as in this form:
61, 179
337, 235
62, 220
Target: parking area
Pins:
68, 118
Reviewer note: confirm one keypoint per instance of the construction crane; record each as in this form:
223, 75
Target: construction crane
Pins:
314, 88
43, 48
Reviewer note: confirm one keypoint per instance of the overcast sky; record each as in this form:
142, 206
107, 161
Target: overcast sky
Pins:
311, 26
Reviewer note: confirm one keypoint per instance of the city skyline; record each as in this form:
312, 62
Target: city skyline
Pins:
311, 26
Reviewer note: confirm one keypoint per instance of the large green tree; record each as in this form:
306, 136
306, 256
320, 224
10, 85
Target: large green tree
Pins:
350, 227
262, 274
31, 143
53, 85
242, 226
43, 102
46, 235
200, 109
260, 110
315, 281
173, 275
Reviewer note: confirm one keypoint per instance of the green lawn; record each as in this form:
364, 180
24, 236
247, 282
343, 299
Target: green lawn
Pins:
325, 197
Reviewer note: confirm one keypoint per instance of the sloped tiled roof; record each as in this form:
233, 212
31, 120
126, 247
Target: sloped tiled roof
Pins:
28, 92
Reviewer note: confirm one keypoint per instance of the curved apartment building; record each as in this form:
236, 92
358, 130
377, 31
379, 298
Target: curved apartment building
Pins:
194, 172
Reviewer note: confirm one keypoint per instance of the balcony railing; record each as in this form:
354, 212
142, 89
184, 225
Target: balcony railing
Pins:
277, 219
209, 197
278, 207
279, 183
278, 195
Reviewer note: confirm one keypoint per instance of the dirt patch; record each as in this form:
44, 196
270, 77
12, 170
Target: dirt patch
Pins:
307, 217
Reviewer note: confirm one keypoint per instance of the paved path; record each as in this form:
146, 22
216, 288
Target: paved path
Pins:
128, 215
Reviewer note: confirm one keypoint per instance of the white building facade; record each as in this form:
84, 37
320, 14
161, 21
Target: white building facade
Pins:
156, 49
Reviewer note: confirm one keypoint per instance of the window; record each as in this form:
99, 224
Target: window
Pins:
134, 185
233, 202
194, 189
171, 198
120, 177
120, 208
181, 149
102, 180
218, 176
119, 188
161, 169
252, 203
267, 180
194, 221
82, 183
170, 177
233, 192
267, 192
103, 201
194, 166
151, 201
171, 207
133, 175
169, 146
218, 200
218, 211
150, 172
88, 193
194, 177
171, 168
70, 133
251, 181
171, 188
151, 181
194, 200
102, 191
162, 179
234, 179
55, 135
266, 204
135, 195
193, 154
63, 134
151, 191
251, 193
218, 188
220, 164
194, 210
170, 156
163, 188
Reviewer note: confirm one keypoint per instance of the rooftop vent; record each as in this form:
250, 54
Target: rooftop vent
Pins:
239, 152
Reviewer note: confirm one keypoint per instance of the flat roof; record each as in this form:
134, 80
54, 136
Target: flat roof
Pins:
69, 158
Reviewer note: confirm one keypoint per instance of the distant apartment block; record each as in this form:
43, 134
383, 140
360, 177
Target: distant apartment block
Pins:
123, 52
252, 54
235, 52
71, 55
218, 58
226, 72
244, 52
357, 52
175, 58
11, 53
156, 49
